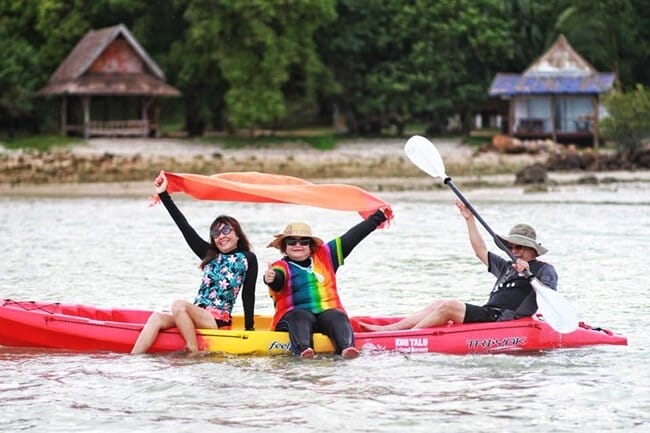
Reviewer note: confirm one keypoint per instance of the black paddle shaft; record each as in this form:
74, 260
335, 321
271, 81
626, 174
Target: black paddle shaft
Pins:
469, 206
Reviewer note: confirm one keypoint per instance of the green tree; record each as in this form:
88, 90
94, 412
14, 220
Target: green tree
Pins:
532, 29
613, 35
60, 24
396, 60
264, 52
628, 123
18, 78
20, 70
261, 63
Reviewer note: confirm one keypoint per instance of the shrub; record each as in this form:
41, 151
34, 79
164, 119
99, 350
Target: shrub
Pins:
628, 124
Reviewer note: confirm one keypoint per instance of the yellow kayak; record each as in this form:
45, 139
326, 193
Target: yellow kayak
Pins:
262, 341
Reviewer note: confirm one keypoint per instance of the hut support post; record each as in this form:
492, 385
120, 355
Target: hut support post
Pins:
594, 125
155, 116
144, 117
511, 116
64, 115
85, 102
553, 126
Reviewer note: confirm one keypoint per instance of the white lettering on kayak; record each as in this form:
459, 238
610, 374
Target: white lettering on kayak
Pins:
412, 345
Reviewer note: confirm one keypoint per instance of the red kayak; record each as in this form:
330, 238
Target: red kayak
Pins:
85, 328
521, 335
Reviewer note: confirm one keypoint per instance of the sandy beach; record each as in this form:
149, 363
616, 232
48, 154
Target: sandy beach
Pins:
127, 167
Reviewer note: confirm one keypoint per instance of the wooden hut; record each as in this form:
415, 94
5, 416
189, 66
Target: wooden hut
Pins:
109, 86
557, 97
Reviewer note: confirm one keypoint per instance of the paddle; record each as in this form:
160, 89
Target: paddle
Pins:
554, 307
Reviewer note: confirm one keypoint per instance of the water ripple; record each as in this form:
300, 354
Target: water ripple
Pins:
119, 252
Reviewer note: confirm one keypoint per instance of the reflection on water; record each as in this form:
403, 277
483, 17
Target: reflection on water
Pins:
120, 252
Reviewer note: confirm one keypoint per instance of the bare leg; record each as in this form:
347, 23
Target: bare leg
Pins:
407, 322
156, 322
188, 318
449, 310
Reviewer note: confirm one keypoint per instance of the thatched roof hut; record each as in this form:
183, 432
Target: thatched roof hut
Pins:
109, 86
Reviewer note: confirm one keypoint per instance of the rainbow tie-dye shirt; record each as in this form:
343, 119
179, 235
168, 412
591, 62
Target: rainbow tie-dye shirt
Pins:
312, 288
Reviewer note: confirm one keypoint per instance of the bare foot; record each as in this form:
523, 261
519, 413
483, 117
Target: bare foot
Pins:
350, 353
193, 353
308, 353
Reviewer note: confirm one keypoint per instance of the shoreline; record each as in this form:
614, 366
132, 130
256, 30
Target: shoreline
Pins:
126, 167
144, 188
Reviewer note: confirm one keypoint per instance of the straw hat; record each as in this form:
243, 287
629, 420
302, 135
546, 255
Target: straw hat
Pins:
524, 235
296, 230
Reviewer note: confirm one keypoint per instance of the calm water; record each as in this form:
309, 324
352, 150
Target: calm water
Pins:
120, 252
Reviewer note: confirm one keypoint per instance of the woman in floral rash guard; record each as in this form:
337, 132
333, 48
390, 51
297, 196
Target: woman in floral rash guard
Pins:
229, 266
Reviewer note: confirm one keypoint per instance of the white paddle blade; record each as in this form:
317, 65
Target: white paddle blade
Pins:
425, 156
556, 310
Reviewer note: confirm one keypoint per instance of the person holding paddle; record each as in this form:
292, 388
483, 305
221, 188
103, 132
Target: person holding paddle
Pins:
304, 289
511, 297
229, 266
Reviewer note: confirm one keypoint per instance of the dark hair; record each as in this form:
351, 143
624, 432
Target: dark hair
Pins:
243, 243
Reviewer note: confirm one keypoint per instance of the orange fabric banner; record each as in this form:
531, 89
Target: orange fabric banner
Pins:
253, 186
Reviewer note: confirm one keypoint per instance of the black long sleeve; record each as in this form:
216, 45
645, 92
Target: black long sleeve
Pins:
356, 234
200, 248
248, 291
196, 243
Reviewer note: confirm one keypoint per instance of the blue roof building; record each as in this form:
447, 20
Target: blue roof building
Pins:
557, 97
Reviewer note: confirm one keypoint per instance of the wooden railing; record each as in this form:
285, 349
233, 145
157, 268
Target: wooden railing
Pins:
115, 128
530, 125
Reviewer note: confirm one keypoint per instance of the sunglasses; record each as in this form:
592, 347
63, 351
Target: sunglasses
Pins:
293, 241
515, 247
223, 230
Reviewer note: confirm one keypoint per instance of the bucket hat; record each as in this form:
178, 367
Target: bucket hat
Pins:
524, 235
297, 230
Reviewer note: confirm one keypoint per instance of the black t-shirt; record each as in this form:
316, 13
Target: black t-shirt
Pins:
514, 292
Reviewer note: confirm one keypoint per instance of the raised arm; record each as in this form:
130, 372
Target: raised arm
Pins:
195, 242
356, 234
475, 239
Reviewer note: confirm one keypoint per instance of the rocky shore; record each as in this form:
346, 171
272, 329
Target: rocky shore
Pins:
130, 165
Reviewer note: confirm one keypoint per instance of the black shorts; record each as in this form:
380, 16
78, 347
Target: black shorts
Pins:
476, 314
